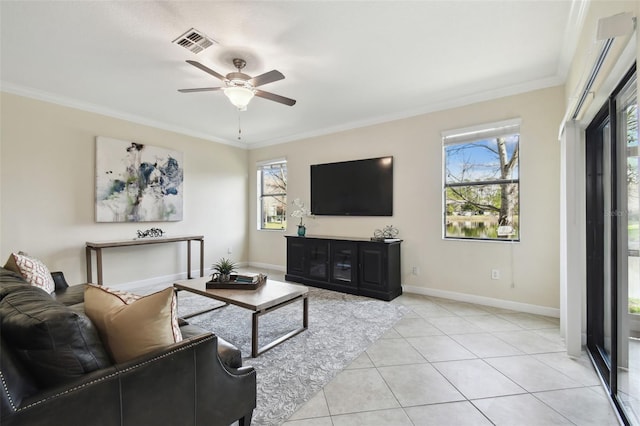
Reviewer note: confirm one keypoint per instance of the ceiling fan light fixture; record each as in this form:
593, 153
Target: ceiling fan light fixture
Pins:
239, 96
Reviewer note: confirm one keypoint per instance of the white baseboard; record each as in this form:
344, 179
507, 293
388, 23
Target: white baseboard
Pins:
279, 268
166, 279
486, 301
461, 297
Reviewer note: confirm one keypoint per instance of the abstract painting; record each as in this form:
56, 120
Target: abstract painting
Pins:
137, 182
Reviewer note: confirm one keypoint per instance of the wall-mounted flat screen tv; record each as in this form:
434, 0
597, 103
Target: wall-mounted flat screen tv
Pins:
353, 188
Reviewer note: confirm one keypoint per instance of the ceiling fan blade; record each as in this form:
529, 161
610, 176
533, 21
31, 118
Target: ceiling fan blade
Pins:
206, 69
276, 98
267, 77
201, 89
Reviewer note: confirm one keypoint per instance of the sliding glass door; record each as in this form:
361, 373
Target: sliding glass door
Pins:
613, 244
628, 370
600, 244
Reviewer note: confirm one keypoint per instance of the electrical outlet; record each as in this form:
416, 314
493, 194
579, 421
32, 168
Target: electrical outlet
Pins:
415, 270
495, 274
229, 250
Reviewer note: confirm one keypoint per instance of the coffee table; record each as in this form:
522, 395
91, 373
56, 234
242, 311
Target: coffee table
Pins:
267, 298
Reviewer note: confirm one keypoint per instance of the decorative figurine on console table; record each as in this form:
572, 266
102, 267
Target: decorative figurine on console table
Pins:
152, 232
387, 234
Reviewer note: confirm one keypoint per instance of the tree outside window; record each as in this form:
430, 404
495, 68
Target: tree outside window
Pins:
481, 184
272, 195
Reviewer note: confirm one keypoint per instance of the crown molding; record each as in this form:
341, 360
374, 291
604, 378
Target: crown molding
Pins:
573, 29
98, 109
426, 109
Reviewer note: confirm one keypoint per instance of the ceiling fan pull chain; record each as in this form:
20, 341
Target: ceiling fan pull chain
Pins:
239, 128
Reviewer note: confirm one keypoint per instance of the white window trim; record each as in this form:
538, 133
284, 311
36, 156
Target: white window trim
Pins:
272, 161
259, 166
480, 131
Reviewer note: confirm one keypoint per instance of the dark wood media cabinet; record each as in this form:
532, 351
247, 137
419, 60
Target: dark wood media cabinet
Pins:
356, 266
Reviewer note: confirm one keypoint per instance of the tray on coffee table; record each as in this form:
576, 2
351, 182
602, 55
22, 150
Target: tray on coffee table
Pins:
234, 284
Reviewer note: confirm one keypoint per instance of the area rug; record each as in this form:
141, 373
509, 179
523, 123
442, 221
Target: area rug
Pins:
341, 327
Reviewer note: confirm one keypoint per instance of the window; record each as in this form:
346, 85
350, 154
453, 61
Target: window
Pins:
272, 195
481, 182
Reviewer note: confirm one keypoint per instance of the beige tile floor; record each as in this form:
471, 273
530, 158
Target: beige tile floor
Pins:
453, 363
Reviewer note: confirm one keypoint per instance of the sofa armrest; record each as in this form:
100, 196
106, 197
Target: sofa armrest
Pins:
184, 384
59, 280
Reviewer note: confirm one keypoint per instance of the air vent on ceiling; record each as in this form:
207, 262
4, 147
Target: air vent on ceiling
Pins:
194, 40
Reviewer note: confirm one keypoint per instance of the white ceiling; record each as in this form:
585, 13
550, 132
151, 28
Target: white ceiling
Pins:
347, 63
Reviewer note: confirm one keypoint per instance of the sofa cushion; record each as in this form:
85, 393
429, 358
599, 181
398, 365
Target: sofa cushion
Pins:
133, 329
69, 296
230, 355
32, 270
17, 382
55, 343
9, 280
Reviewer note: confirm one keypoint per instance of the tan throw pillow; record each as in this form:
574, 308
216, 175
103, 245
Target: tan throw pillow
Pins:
100, 300
133, 329
32, 270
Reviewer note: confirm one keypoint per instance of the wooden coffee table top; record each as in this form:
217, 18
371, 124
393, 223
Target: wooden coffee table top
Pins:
268, 295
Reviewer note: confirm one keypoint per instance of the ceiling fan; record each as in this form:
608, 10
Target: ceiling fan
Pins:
240, 88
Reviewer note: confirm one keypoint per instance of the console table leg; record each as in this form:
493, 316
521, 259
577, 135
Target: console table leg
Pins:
189, 259
87, 251
99, 265
202, 257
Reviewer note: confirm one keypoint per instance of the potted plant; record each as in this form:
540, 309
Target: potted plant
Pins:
300, 211
224, 268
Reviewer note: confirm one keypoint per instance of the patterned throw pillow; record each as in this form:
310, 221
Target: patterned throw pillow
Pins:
133, 328
32, 270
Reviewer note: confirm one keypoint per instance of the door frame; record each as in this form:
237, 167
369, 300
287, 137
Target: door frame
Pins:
607, 367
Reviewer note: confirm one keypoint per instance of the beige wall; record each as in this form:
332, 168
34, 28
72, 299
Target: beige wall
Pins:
451, 266
47, 187
47, 163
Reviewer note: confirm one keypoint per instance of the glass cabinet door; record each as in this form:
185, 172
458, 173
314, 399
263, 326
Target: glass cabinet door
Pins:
343, 262
318, 259
295, 256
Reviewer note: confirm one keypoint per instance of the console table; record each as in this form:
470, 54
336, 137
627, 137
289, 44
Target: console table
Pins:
97, 246
350, 265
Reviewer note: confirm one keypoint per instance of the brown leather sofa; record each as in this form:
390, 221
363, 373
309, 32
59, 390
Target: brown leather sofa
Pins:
54, 369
